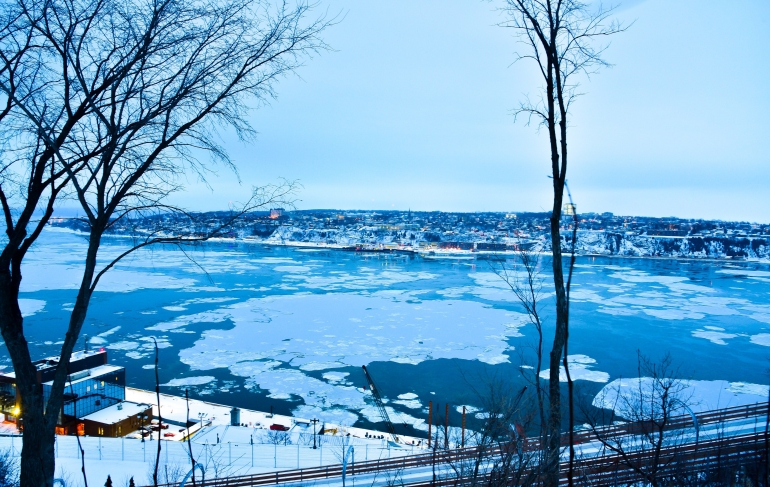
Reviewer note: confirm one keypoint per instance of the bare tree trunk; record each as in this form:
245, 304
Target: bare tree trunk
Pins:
570, 383
37, 459
559, 341
560, 37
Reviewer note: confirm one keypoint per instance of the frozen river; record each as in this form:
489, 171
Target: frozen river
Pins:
290, 327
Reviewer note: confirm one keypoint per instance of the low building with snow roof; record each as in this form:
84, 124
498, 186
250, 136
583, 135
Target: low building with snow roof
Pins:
94, 396
117, 420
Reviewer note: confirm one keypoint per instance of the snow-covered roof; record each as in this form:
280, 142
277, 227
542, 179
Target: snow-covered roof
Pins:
94, 373
53, 361
117, 412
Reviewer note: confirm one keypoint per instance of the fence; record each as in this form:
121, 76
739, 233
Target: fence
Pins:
237, 464
225, 458
597, 466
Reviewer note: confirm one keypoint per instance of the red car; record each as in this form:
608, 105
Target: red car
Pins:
279, 427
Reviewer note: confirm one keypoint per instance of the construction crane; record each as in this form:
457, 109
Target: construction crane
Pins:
378, 402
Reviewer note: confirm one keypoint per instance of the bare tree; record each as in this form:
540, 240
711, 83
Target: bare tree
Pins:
38, 114
161, 472
9, 469
113, 102
339, 444
648, 404
527, 284
278, 437
501, 456
561, 38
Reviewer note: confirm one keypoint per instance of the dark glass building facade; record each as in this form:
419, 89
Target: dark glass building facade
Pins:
102, 387
94, 396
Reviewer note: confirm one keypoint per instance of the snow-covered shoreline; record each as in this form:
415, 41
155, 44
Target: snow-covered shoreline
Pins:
589, 244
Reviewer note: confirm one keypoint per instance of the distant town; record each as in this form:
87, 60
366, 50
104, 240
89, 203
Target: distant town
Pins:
447, 232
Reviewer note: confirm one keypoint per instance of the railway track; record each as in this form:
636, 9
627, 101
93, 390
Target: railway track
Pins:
600, 467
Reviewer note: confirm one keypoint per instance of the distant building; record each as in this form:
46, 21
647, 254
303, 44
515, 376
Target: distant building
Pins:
276, 213
457, 245
667, 233
569, 209
94, 396
490, 246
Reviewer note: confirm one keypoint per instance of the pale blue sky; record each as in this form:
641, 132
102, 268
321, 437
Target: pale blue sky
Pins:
413, 110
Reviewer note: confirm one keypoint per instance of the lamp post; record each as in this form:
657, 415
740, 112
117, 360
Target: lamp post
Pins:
314, 421
141, 432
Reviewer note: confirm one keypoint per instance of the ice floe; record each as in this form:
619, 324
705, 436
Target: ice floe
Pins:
408, 400
624, 396
270, 333
363, 278
190, 381
29, 307
579, 369
371, 413
335, 377
297, 327
761, 339
714, 335
468, 409
744, 273
101, 338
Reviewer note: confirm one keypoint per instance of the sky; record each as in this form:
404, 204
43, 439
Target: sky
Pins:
413, 110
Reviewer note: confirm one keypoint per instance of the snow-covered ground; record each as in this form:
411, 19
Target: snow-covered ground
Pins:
122, 458
223, 449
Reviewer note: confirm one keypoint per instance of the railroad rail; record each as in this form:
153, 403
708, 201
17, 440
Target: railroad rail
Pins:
616, 469
670, 461
598, 467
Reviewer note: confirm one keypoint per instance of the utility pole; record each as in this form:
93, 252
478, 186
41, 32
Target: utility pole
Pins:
433, 458
446, 428
314, 421
463, 436
430, 420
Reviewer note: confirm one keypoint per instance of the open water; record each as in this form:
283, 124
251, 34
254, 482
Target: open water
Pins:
289, 328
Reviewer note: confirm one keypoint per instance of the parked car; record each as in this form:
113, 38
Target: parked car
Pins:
279, 427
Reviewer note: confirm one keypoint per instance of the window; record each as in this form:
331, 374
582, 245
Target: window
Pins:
100, 431
91, 394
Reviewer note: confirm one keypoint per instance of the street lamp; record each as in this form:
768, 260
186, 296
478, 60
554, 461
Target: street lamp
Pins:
141, 432
314, 421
